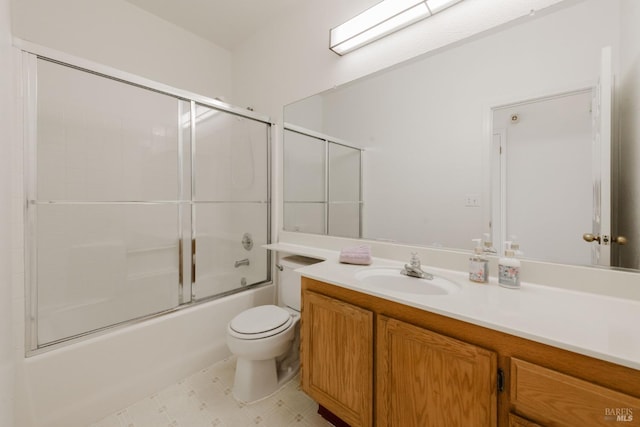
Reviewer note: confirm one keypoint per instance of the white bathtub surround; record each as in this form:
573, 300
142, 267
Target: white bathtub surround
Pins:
594, 324
76, 384
205, 399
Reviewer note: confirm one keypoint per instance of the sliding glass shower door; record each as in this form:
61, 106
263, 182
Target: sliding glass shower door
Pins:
231, 188
138, 202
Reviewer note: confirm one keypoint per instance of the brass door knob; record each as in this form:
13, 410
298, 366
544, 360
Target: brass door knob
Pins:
588, 237
621, 240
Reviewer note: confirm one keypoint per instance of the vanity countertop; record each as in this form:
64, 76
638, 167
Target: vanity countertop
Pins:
603, 327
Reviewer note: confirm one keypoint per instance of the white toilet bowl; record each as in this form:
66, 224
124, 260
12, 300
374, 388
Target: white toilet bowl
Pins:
266, 339
262, 338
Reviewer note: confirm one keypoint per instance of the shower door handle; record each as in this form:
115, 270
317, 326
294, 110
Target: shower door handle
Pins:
193, 260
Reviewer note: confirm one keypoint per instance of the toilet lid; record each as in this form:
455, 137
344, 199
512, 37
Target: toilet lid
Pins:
258, 320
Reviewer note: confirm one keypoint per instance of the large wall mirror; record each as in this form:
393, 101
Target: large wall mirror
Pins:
530, 132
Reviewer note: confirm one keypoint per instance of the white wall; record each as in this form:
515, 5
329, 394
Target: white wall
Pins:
6, 214
629, 92
123, 36
308, 113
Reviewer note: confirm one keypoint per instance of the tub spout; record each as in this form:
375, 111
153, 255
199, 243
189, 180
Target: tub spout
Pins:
242, 262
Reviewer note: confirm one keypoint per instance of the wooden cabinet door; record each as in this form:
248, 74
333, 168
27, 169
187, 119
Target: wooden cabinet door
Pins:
425, 379
337, 357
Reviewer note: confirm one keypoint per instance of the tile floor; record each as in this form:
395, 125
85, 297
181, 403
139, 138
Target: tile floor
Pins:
205, 400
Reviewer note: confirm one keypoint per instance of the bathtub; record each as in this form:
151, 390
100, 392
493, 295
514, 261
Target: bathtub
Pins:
83, 382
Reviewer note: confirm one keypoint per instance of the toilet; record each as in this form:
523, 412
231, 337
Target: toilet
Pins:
265, 339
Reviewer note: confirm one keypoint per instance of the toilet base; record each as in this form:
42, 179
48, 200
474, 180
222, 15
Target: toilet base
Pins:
257, 379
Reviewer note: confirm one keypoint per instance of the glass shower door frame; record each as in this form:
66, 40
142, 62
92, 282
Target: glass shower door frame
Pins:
30, 55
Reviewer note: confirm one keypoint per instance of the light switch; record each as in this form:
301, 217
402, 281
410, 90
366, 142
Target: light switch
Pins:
472, 200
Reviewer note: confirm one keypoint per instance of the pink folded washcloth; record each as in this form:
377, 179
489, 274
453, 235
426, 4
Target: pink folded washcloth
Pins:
356, 255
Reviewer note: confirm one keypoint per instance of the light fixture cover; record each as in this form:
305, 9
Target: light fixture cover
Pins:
380, 20
436, 6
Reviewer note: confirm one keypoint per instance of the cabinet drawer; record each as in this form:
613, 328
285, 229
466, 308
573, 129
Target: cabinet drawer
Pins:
516, 421
552, 398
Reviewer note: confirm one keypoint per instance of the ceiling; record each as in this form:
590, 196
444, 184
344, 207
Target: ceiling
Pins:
227, 23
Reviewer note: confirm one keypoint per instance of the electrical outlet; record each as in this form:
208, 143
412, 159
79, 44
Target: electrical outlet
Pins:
472, 200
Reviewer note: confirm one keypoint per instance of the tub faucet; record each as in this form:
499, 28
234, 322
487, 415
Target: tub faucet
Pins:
242, 262
414, 269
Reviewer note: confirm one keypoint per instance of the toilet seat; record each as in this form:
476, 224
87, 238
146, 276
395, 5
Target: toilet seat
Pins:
260, 322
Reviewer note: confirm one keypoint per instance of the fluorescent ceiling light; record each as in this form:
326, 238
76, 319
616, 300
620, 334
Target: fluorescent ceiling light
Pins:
380, 20
437, 5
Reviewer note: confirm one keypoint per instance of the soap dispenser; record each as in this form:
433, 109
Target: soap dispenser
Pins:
509, 268
515, 246
488, 244
478, 264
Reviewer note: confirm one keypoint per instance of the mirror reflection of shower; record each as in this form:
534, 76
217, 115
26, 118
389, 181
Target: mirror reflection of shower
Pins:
323, 191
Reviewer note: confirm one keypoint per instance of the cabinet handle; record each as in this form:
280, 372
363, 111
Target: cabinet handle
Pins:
500, 380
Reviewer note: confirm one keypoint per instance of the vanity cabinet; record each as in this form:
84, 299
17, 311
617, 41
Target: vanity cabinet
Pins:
337, 357
552, 398
434, 370
425, 379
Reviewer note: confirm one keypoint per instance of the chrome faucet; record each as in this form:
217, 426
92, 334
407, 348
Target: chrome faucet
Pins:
414, 269
242, 262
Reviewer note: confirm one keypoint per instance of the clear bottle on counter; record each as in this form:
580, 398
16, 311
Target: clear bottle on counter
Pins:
509, 269
478, 264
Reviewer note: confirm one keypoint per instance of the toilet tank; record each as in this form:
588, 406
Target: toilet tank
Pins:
289, 281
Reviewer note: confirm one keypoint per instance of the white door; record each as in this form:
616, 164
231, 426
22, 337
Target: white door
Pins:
602, 111
545, 176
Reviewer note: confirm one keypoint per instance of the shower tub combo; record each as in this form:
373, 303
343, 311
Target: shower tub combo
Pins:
145, 205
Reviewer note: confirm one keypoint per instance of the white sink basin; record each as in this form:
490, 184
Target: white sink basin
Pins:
390, 279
